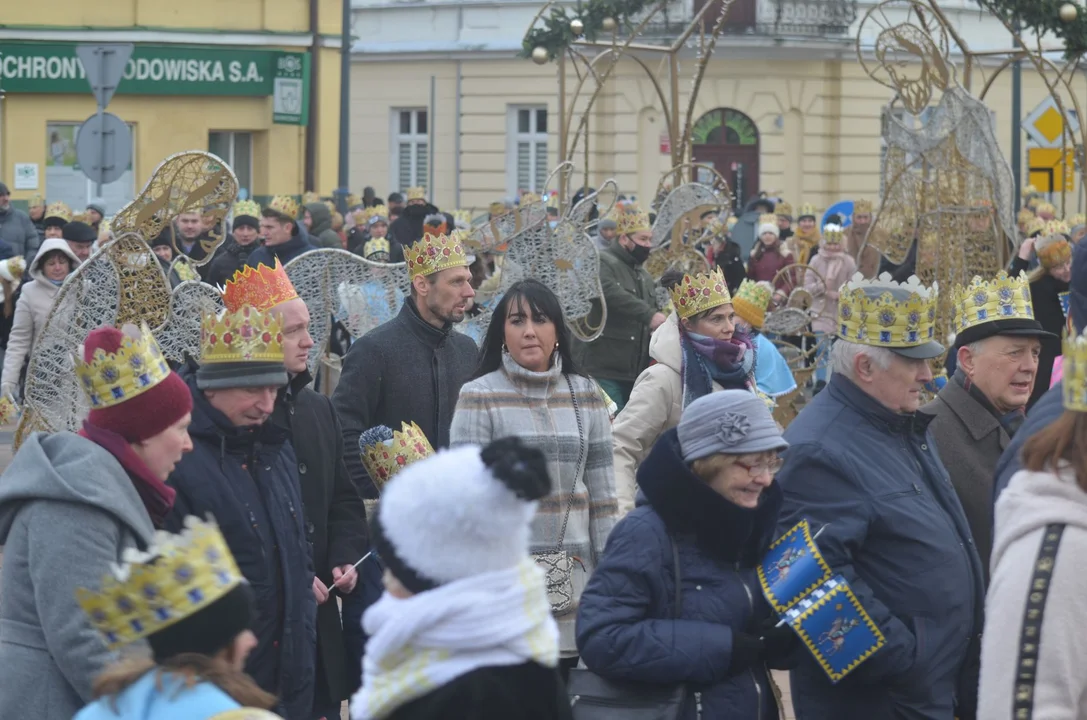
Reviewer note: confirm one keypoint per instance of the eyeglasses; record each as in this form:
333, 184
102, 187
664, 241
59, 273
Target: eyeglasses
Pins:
762, 468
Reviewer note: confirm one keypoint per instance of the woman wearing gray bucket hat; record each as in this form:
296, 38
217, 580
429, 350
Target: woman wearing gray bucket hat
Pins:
709, 501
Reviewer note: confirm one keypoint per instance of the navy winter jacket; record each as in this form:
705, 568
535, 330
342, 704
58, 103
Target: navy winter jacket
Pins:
247, 479
268, 254
626, 628
896, 531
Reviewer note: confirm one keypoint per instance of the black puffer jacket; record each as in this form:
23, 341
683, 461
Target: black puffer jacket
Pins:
247, 479
228, 260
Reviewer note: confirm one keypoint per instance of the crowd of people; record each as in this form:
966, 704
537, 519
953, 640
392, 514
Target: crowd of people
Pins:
539, 527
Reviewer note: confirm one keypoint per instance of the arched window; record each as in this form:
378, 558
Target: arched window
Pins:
728, 140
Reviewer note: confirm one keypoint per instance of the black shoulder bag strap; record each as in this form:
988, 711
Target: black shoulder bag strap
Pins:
1031, 637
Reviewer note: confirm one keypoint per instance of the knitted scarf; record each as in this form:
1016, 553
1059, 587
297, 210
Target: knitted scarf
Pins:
802, 243
157, 496
421, 643
705, 360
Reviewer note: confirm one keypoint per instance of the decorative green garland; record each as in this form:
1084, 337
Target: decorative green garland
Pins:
553, 32
1044, 16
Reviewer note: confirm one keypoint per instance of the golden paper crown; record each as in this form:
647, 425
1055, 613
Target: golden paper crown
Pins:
497, 208
462, 216
862, 207
1024, 216
1075, 371
111, 378
1036, 225
1074, 220
284, 205
353, 200
434, 253
382, 460
630, 220
884, 313
310, 197
529, 198
1029, 190
1035, 202
416, 193
35, 201
713, 226
375, 246
246, 335
1045, 207
807, 210
768, 219
262, 288
9, 410
1055, 227
1053, 250
731, 222
698, 293
58, 210
783, 208
980, 302
378, 211
833, 235
751, 300
248, 208
179, 576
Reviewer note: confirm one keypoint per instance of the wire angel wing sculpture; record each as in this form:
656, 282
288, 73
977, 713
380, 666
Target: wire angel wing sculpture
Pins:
123, 282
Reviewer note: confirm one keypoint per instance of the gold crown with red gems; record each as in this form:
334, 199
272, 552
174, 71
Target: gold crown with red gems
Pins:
384, 459
435, 253
246, 335
261, 287
284, 205
698, 293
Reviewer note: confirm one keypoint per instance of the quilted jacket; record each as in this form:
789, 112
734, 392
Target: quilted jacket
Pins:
626, 626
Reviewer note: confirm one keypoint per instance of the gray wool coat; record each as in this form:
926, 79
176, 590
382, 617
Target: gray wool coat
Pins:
970, 440
67, 510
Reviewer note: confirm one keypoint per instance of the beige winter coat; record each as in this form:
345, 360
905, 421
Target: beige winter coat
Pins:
655, 405
31, 312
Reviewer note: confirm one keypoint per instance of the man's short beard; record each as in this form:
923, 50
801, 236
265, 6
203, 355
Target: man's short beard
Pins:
447, 319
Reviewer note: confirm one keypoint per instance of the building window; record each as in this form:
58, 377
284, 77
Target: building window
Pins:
237, 149
526, 154
411, 149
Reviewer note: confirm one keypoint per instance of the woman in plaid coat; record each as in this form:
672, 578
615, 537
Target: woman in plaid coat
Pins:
527, 386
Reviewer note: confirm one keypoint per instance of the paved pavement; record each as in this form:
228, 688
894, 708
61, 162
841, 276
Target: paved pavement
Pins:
7, 431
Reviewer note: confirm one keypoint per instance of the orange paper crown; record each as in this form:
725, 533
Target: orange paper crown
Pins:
262, 287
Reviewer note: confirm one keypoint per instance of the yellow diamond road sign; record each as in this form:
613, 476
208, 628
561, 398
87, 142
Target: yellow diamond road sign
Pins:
1045, 126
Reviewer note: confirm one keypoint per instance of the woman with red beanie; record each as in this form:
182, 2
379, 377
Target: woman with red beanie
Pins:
70, 505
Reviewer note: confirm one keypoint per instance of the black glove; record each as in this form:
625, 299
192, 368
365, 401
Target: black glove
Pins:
747, 650
779, 643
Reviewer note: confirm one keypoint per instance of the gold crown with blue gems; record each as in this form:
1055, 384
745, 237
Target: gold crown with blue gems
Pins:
1074, 382
111, 378
178, 576
701, 292
980, 302
884, 313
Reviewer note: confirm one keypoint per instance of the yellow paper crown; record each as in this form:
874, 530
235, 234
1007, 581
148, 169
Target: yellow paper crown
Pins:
1053, 250
1055, 227
1074, 220
768, 219
310, 197
1034, 203
980, 302
529, 198
246, 335
1045, 207
9, 410
58, 210
1075, 371
713, 226
1029, 190
284, 205
884, 313
375, 246
35, 201
248, 208
353, 200
731, 222
462, 216
630, 220
1024, 216
378, 211
862, 207
751, 300
497, 208
111, 378
416, 193
807, 210
382, 460
179, 576
698, 293
435, 253
1036, 225
832, 235
261, 287
783, 208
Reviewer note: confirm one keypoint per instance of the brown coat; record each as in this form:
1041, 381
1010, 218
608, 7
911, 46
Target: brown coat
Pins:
868, 260
970, 441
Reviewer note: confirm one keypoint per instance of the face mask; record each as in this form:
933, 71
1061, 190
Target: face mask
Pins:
640, 253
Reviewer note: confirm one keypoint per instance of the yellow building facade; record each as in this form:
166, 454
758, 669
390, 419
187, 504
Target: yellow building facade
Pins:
230, 77
801, 124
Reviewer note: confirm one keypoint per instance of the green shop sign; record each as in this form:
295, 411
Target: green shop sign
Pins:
153, 70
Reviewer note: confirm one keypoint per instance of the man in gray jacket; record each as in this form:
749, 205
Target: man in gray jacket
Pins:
16, 228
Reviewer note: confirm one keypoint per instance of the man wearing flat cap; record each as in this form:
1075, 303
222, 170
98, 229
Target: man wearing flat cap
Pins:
862, 466
975, 416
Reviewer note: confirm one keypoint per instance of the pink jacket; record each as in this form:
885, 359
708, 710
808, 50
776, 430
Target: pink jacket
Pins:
836, 268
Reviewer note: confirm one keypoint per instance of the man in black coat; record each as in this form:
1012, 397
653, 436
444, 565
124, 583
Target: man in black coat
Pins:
335, 516
243, 239
243, 472
407, 229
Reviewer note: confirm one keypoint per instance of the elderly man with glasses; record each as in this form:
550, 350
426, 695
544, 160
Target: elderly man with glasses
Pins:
862, 462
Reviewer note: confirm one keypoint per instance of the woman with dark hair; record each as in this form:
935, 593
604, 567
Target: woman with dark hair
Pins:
528, 386
1034, 645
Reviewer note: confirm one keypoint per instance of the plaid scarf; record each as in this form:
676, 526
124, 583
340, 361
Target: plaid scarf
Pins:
1011, 422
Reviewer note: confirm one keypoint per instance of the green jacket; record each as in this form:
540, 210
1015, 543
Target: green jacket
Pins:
622, 350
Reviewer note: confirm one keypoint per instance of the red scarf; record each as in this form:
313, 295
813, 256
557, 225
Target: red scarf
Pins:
157, 496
